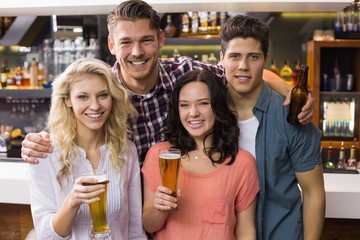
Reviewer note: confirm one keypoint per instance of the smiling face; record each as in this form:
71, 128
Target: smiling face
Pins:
91, 103
244, 62
196, 114
136, 47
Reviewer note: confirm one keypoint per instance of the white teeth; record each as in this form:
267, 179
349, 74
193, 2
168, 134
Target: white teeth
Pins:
195, 122
94, 115
138, 63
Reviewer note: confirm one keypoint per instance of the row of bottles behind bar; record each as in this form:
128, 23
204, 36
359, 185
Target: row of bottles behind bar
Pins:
343, 162
53, 58
25, 76
287, 72
194, 23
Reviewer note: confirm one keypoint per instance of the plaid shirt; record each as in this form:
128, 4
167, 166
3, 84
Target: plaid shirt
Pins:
148, 126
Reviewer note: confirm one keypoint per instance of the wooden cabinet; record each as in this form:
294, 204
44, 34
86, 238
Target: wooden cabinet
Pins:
321, 58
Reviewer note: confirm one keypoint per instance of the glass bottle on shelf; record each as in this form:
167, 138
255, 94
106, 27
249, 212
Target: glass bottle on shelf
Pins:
194, 22
4, 72
330, 158
170, 29
273, 68
185, 23
33, 74
204, 22
176, 53
341, 162
213, 22
212, 59
285, 73
295, 72
337, 76
351, 162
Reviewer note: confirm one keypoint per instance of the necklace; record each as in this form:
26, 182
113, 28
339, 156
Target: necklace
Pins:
196, 157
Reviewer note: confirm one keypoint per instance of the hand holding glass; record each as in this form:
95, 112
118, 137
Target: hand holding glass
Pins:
99, 227
169, 161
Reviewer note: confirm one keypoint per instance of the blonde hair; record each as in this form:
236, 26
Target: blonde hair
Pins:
62, 122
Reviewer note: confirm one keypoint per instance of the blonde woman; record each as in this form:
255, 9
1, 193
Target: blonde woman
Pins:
88, 126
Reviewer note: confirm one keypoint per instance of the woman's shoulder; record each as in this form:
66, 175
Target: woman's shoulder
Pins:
160, 145
244, 157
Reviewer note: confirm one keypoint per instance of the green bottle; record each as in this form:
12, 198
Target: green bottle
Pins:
330, 161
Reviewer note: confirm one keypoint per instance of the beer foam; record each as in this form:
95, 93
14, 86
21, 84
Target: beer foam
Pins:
170, 155
100, 178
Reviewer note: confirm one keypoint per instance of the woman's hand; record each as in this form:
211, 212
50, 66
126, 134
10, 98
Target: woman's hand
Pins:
163, 201
85, 190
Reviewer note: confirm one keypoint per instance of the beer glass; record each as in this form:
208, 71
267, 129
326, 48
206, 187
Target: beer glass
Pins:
169, 161
99, 227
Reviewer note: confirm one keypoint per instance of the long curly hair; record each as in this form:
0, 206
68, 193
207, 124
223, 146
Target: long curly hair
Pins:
62, 121
225, 133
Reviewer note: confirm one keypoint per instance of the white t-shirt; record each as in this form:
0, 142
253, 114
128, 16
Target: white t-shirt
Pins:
248, 130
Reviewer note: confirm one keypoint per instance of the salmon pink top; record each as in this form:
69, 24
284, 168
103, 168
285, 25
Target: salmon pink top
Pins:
209, 202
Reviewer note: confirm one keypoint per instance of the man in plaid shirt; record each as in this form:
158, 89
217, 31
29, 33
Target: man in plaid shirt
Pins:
135, 38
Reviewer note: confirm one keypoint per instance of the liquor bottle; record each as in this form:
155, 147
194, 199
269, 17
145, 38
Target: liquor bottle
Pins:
298, 96
341, 162
351, 162
26, 75
194, 22
185, 23
223, 18
273, 68
295, 72
337, 76
213, 22
4, 73
33, 74
330, 158
18, 77
204, 22
176, 53
285, 72
212, 59
170, 29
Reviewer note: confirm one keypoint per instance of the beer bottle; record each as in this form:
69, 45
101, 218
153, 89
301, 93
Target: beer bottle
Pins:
298, 96
329, 162
341, 161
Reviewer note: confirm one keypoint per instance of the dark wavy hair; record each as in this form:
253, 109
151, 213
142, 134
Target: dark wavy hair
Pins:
225, 132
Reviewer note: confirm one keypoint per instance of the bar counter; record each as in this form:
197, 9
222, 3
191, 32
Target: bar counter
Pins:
342, 198
342, 190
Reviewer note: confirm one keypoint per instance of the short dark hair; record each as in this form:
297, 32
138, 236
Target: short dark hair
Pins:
226, 131
243, 26
133, 10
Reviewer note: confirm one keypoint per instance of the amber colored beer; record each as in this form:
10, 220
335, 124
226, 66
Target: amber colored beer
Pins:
169, 161
99, 225
98, 212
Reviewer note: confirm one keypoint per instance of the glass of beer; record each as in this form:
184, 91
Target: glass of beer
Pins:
169, 161
99, 227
